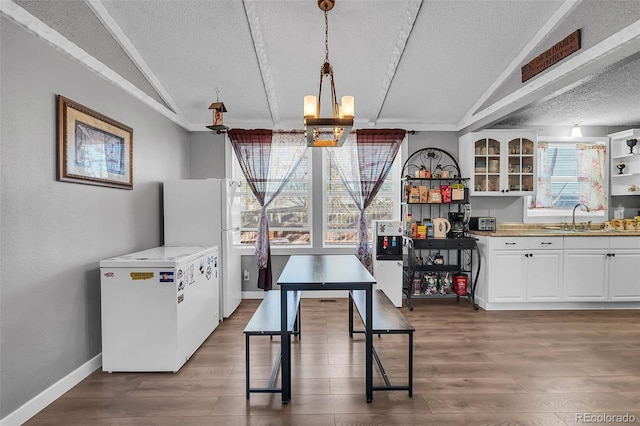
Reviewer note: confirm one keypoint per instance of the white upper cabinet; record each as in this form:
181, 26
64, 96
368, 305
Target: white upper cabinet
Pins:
500, 163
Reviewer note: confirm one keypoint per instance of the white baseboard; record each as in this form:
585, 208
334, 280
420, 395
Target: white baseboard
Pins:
551, 306
307, 294
53, 392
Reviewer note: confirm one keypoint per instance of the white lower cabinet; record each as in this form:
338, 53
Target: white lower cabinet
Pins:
508, 280
624, 269
524, 269
603, 268
584, 277
544, 275
560, 269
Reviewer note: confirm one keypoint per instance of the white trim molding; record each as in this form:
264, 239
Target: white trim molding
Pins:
53, 392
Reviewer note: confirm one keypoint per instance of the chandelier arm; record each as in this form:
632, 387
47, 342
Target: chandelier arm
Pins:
334, 102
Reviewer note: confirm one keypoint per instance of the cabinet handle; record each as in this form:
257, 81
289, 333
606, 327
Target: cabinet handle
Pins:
613, 255
546, 244
530, 254
509, 244
526, 255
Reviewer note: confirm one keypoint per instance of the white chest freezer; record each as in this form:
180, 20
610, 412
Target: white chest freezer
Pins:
158, 306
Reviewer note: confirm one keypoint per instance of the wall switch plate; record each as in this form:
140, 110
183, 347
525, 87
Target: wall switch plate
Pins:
246, 275
618, 213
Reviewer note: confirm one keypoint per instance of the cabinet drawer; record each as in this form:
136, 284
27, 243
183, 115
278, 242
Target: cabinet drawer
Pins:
546, 242
509, 243
586, 242
624, 242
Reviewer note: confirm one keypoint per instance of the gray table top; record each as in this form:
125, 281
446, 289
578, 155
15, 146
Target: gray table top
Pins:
325, 270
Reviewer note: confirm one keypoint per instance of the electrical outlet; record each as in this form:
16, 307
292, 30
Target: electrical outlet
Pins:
246, 275
618, 213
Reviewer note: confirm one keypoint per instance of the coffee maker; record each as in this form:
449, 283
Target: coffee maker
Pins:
458, 222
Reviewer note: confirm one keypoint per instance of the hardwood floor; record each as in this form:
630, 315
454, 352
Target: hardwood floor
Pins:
470, 368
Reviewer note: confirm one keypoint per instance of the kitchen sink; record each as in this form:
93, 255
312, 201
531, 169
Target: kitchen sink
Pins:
569, 230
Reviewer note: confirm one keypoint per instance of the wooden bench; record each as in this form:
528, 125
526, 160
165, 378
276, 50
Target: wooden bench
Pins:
266, 322
387, 319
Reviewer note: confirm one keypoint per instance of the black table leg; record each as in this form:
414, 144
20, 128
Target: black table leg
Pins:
285, 346
369, 345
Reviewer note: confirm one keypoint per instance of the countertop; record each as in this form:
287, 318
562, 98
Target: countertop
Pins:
540, 229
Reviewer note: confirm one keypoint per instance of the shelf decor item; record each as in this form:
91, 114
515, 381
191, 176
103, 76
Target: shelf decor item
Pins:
93, 149
621, 167
631, 143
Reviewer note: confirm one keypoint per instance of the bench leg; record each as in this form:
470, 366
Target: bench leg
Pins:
350, 315
411, 364
247, 364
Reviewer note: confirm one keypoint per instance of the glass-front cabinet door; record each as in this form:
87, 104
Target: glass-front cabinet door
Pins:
486, 173
520, 165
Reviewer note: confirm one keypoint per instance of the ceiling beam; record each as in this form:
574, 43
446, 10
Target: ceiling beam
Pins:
609, 51
130, 50
563, 11
259, 48
408, 21
24, 19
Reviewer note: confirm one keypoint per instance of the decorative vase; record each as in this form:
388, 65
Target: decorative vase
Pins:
620, 167
631, 143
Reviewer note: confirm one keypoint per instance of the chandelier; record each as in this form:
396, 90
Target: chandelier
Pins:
328, 132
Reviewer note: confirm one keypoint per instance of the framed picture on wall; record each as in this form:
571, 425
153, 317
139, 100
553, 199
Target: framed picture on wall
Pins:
93, 149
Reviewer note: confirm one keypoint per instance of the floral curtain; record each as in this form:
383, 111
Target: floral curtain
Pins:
544, 196
592, 175
268, 161
363, 163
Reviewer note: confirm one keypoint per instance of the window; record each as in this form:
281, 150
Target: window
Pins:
341, 214
558, 164
289, 213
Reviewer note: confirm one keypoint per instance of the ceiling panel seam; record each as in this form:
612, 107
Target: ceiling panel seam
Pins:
560, 14
410, 16
253, 20
602, 54
130, 50
38, 28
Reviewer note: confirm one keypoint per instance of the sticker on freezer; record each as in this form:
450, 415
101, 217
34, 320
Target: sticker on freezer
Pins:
142, 275
166, 277
109, 274
208, 272
181, 298
201, 269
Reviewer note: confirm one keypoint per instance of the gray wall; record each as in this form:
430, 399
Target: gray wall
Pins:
53, 233
207, 155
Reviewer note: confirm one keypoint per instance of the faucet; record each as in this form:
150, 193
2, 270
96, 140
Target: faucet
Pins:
573, 221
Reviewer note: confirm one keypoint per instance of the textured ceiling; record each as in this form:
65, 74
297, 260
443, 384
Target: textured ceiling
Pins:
421, 65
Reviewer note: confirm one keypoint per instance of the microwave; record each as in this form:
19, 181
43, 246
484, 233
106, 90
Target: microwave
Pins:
482, 224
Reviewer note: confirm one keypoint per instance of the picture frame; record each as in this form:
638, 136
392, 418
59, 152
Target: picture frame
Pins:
93, 149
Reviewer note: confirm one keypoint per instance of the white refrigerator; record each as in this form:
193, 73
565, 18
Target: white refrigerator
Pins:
205, 212
158, 306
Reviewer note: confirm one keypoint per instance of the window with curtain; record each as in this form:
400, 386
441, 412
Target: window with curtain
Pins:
289, 213
340, 212
569, 172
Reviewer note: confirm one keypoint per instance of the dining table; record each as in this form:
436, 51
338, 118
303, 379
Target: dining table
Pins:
322, 273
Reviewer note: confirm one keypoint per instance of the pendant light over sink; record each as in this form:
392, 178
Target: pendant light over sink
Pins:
333, 131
